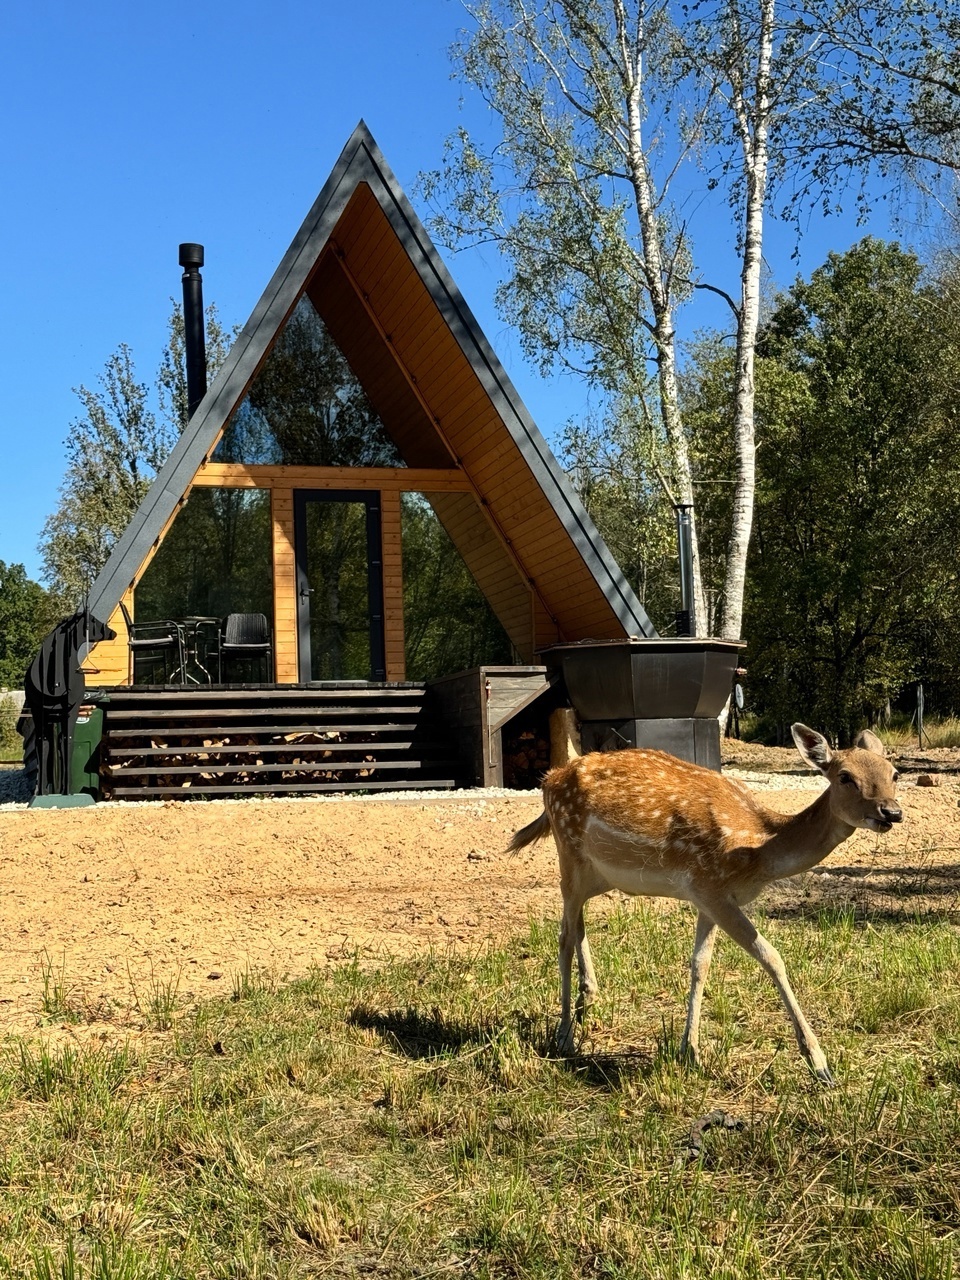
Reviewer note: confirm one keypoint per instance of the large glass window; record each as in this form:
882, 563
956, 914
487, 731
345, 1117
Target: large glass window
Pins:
448, 624
216, 559
305, 407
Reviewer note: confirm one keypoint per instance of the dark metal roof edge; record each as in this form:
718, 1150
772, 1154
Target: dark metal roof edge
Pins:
507, 400
254, 340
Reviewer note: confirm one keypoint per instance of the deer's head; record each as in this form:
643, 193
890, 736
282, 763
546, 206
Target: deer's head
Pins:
863, 782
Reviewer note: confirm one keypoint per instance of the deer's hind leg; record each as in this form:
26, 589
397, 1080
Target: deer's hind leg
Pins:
577, 884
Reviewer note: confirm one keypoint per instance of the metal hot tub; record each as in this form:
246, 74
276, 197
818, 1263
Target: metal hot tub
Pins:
657, 693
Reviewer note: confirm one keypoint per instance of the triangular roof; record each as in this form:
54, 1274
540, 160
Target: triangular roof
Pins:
368, 265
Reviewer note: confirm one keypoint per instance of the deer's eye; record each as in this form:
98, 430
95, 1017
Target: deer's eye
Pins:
846, 780
896, 776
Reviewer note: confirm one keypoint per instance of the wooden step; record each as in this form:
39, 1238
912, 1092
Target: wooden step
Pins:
298, 748
180, 696
199, 731
221, 714
369, 784
303, 766
183, 742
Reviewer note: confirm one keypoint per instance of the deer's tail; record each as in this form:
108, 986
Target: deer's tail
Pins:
536, 830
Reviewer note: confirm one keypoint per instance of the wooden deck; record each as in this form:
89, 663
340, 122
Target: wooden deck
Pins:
223, 740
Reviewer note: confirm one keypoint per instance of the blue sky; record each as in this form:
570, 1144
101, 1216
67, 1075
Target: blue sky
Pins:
132, 127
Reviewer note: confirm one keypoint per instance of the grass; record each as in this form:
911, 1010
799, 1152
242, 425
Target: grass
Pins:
409, 1120
11, 744
901, 733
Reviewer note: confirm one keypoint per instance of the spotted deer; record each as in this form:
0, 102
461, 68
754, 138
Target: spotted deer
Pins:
647, 823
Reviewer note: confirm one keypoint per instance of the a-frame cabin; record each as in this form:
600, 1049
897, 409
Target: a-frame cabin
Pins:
363, 474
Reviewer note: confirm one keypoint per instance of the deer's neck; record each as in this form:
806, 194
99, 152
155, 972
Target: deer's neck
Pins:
802, 840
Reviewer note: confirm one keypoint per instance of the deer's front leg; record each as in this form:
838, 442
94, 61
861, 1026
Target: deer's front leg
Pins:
743, 931
705, 937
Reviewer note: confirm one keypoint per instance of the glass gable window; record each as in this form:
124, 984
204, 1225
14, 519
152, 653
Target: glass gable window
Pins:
448, 624
306, 408
216, 559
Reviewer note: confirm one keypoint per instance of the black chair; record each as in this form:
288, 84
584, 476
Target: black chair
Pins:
155, 644
245, 637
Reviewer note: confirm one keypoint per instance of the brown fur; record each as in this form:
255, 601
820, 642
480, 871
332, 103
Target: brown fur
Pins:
647, 823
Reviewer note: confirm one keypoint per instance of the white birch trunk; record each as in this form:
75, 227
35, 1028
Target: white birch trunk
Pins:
753, 128
664, 333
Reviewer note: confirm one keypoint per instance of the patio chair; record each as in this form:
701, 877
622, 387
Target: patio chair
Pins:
245, 637
155, 643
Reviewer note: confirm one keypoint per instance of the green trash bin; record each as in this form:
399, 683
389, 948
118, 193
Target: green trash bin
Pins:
85, 758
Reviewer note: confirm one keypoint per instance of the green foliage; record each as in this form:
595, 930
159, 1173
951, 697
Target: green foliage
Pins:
554, 194
889, 97
172, 377
114, 452
306, 406
859, 494
448, 624
27, 613
11, 744
217, 558
573, 192
612, 462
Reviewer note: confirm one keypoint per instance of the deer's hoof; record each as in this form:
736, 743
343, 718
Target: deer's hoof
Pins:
564, 1042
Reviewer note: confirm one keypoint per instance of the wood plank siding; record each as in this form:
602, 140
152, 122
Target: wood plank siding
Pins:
108, 663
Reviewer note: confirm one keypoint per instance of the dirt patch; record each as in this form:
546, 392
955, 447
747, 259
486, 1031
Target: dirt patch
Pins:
125, 899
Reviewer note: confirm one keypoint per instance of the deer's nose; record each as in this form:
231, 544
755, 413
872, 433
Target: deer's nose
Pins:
891, 813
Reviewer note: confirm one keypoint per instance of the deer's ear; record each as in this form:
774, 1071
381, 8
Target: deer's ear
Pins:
868, 741
813, 746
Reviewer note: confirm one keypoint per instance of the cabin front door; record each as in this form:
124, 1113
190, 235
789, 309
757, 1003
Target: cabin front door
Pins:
339, 585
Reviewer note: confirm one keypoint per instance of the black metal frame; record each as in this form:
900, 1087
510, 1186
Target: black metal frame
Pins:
371, 501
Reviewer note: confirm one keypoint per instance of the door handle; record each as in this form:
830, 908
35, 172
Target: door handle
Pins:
305, 591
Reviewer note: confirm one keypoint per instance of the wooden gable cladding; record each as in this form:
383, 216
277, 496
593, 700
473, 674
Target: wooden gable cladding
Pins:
371, 273
394, 397
420, 380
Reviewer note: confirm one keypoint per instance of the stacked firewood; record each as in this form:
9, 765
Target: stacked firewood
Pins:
526, 758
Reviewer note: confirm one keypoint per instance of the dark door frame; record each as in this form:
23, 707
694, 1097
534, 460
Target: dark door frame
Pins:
371, 500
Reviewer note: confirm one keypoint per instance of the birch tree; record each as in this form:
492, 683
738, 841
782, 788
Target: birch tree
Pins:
604, 101
752, 70
889, 99
575, 192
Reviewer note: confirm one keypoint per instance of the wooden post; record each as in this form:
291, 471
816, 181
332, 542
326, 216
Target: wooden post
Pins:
391, 535
285, 657
565, 742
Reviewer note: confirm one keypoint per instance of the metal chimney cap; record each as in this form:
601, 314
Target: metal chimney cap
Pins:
191, 255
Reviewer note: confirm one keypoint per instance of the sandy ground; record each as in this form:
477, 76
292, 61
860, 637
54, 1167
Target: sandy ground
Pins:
116, 901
